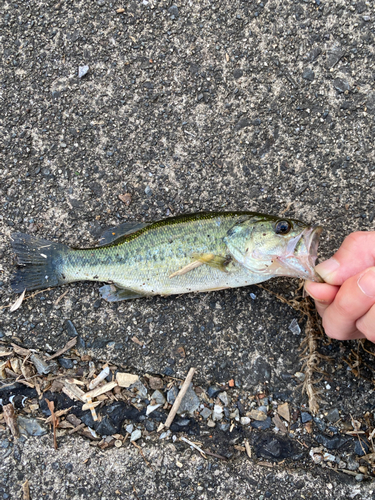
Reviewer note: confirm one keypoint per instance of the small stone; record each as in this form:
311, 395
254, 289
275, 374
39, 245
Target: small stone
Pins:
140, 388
237, 73
156, 383
245, 420
213, 391
305, 417
333, 415
331, 443
166, 434
70, 328
263, 408
65, 363
173, 11
205, 413
148, 191
150, 425
320, 424
210, 423
31, 426
257, 415
42, 366
294, 327
217, 413
328, 457
135, 435
359, 477
225, 426
308, 74
126, 198
190, 402
300, 376
266, 424
224, 398
334, 54
129, 428
158, 397
352, 464
361, 447
341, 85
151, 408
82, 71
172, 395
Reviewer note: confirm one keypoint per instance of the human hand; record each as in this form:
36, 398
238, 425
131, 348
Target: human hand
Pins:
346, 302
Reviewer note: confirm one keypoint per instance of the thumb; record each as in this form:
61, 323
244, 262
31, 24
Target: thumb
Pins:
356, 254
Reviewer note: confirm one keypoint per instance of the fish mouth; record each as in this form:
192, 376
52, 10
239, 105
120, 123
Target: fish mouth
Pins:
301, 254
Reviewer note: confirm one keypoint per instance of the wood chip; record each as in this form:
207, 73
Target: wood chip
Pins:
58, 413
102, 375
67, 346
18, 302
26, 490
10, 420
283, 411
137, 341
20, 350
99, 390
120, 11
55, 421
126, 379
5, 353
89, 405
73, 392
247, 447
78, 428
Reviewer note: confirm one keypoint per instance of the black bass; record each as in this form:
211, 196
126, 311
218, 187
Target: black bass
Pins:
188, 253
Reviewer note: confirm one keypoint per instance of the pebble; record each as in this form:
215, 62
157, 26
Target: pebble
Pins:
294, 327
172, 395
320, 424
361, 447
141, 389
331, 443
352, 464
305, 417
224, 426
257, 415
135, 435
31, 426
151, 408
190, 402
213, 391
129, 428
82, 71
333, 415
224, 398
210, 423
158, 397
359, 477
217, 413
173, 11
334, 54
70, 328
148, 191
341, 85
205, 413
65, 363
156, 383
308, 74
300, 376
166, 434
150, 425
263, 425
245, 420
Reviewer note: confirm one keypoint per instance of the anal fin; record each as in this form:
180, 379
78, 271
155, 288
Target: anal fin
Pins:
112, 293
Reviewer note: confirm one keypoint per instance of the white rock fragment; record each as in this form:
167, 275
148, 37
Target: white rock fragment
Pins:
135, 435
151, 408
129, 428
245, 420
82, 71
294, 327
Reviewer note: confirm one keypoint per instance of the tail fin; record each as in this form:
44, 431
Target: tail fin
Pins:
39, 260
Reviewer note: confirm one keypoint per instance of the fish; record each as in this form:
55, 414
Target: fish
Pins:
197, 252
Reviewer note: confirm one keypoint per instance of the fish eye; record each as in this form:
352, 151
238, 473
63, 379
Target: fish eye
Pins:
283, 227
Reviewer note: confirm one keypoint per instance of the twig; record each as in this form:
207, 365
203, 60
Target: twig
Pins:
10, 420
55, 421
67, 346
178, 400
190, 443
61, 297
143, 456
248, 449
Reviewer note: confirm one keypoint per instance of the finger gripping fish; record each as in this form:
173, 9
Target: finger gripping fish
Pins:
188, 253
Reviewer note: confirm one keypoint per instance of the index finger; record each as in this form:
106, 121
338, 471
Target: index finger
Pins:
356, 254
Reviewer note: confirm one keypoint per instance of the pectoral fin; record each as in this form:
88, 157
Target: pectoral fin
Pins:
113, 294
212, 260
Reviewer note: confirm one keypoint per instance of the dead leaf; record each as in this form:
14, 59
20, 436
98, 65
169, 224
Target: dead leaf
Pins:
10, 419
279, 424
26, 490
18, 302
125, 198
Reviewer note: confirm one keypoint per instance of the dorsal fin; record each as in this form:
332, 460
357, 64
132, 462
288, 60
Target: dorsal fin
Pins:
113, 233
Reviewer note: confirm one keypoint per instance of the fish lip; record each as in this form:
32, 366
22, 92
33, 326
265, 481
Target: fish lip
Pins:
311, 236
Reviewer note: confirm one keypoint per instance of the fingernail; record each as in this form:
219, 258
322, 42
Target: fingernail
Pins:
367, 283
327, 267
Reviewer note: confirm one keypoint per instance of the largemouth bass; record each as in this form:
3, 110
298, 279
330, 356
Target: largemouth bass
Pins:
188, 253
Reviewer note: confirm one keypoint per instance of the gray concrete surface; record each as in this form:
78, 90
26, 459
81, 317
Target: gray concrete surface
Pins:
210, 106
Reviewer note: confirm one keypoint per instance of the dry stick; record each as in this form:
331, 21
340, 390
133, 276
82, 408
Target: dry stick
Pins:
178, 400
51, 406
67, 346
26, 490
190, 443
